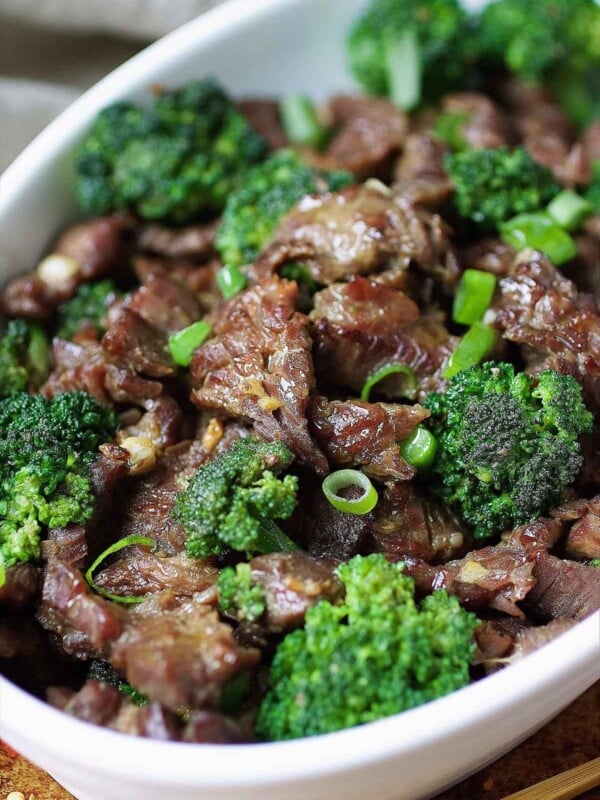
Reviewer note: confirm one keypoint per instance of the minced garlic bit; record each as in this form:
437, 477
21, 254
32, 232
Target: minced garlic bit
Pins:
378, 186
269, 403
57, 271
15, 796
142, 454
213, 434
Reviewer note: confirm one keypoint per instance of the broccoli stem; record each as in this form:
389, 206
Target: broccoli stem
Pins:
271, 539
403, 66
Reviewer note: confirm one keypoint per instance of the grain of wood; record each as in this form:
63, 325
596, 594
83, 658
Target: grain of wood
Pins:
566, 786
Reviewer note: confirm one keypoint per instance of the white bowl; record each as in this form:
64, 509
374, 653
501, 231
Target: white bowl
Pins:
262, 47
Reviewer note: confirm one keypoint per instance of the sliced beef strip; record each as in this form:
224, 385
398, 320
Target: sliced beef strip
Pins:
293, 583
147, 507
164, 302
583, 540
492, 577
537, 307
98, 247
529, 639
420, 175
489, 255
502, 641
21, 586
104, 705
138, 345
258, 366
356, 231
362, 326
353, 433
162, 423
263, 115
211, 727
139, 572
195, 242
485, 126
68, 545
82, 623
563, 589
409, 523
89, 368
180, 655
369, 132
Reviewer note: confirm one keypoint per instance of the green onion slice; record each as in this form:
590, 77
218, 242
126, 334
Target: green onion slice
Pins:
449, 127
474, 346
540, 232
183, 343
127, 541
2, 574
300, 121
230, 280
411, 383
343, 479
569, 209
419, 448
473, 296
403, 67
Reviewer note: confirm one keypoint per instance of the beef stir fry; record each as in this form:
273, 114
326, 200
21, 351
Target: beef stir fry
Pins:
299, 427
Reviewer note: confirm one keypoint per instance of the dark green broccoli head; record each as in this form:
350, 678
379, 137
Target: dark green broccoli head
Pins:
549, 42
269, 191
507, 447
23, 357
178, 159
103, 672
377, 654
439, 28
87, 308
239, 597
233, 499
491, 186
46, 449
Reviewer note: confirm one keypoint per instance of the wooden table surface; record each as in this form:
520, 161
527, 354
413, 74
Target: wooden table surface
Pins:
567, 741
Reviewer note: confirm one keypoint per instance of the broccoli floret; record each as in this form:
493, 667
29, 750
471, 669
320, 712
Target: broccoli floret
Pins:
269, 191
103, 672
88, 307
377, 654
239, 597
555, 43
23, 357
233, 499
492, 186
175, 160
46, 450
507, 446
425, 39
595, 562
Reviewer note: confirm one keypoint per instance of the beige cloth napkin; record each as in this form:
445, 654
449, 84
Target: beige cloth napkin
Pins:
51, 50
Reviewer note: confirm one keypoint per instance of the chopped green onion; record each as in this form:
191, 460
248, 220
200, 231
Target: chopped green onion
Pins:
300, 121
384, 372
473, 296
474, 346
419, 448
127, 541
540, 232
233, 694
301, 274
183, 343
343, 479
2, 574
230, 280
448, 126
569, 209
403, 67
271, 539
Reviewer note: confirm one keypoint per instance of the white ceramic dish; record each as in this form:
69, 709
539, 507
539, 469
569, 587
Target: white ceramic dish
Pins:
262, 46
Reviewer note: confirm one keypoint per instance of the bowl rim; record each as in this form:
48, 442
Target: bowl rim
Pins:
575, 651
168, 763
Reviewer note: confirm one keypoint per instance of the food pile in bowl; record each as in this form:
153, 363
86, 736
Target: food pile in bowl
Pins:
298, 428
